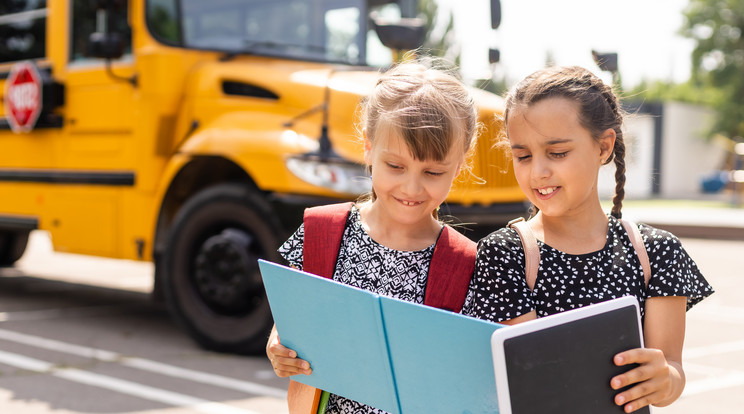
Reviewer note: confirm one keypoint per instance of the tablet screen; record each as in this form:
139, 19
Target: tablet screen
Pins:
567, 368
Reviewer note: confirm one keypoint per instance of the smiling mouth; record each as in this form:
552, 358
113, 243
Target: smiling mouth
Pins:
547, 190
409, 203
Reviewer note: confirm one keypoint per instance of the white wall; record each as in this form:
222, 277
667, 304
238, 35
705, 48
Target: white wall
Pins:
639, 143
686, 155
685, 158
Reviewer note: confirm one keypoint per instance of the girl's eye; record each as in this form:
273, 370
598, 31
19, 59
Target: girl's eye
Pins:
522, 158
559, 154
435, 173
394, 166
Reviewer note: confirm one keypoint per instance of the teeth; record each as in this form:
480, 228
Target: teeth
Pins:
546, 191
408, 203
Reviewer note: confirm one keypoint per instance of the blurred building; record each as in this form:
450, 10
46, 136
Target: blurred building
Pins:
667, 153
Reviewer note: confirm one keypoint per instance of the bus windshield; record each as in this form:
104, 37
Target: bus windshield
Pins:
318, 30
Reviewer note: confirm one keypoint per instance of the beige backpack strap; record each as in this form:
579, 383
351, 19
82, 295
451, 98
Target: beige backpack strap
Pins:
635, 238
531, 250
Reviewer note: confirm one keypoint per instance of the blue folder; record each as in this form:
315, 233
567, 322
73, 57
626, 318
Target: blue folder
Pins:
393, 355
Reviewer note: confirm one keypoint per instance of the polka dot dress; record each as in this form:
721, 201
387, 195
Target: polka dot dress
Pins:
499, 291
366, 264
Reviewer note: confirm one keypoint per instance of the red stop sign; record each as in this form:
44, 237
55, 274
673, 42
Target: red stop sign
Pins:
23, 97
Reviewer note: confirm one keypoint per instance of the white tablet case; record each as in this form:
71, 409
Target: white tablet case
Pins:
563, 363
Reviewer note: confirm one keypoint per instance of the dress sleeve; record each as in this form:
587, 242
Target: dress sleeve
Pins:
498, 290
673, 272
291, 250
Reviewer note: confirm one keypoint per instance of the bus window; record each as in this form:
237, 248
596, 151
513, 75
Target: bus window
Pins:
22, 30
163, 21
84, 21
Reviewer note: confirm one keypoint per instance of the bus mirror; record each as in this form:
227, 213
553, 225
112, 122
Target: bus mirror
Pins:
105, 45
606, 61
495, 14
404, 34
494, 55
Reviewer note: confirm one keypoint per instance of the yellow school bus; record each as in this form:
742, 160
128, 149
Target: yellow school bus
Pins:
192, 133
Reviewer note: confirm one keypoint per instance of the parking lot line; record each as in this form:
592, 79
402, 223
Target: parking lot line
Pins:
143, 364
119, 385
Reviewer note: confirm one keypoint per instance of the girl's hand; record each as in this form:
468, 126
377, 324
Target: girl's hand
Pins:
284, 360
655, 379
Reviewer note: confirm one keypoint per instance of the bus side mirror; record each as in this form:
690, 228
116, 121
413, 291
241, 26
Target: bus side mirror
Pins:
494, 55
105, 45
606, 61
495, 14
404, 34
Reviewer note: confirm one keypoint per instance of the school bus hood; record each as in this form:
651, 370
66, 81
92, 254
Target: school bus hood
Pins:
293, 92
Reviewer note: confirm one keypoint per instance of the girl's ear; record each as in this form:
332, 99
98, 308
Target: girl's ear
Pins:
606, 144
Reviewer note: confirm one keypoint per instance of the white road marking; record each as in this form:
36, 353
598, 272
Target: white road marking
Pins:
715, 349
118, 385
716, 378
143, 364
718, 382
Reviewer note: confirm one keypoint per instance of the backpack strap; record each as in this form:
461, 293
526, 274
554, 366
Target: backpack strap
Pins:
324, 228
635, 239
450, 270
531, 250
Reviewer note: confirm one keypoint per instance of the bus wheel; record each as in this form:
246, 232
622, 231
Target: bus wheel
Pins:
12, 246
210, 271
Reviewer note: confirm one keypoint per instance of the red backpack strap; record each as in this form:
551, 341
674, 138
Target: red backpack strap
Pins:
531, 250
324, 228
450, 271
635, 239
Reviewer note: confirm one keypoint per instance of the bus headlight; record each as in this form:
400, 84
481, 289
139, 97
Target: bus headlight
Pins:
334, 173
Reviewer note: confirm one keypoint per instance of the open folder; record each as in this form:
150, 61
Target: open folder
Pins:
393, 355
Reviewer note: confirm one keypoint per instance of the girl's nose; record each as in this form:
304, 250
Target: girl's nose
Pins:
540, 168
412, 185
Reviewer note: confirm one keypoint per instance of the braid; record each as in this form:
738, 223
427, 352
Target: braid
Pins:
618, 152
619, 155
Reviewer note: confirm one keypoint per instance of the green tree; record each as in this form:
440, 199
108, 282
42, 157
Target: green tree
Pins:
718, 58
691, 91
440, 36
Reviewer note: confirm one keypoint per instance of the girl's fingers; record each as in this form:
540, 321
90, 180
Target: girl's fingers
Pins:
295, 365
651, 362
285, 361
651, 378
277, 349
634, 405
637, 392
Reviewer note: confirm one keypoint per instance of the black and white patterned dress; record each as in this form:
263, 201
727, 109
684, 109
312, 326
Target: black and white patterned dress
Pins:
366, 264
499, 290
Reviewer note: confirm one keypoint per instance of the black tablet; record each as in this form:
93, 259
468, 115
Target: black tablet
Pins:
563, 363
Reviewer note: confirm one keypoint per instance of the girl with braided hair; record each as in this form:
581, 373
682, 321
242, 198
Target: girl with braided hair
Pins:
563, 124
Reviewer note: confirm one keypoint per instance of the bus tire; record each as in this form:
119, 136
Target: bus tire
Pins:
12, 246
211, 278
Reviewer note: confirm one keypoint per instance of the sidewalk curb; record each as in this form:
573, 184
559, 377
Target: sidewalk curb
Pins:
701, 232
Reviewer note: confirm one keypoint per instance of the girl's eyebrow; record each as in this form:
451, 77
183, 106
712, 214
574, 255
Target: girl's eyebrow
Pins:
555, 141
559, 141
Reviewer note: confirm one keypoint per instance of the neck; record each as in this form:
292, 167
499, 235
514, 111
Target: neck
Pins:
573, 234
395, 235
